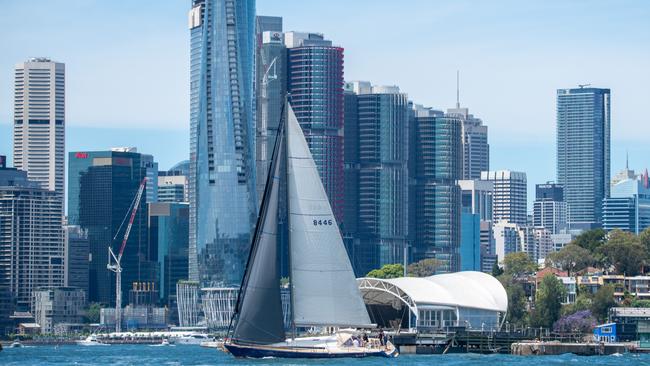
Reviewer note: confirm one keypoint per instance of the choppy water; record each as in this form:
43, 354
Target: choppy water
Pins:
193, 355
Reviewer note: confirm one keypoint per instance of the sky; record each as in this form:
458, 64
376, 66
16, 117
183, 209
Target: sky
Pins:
127, 66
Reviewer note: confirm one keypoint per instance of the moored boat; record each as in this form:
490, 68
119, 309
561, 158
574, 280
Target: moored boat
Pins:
323, 287
91, 340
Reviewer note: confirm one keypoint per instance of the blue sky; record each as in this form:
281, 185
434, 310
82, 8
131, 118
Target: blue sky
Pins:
127, 65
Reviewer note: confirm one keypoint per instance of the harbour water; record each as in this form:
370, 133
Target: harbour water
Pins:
138, 355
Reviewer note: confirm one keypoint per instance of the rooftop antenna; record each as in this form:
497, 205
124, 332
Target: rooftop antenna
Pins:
583, 85
457, 89
627, 160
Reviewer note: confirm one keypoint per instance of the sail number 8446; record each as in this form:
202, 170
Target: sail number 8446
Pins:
321, 222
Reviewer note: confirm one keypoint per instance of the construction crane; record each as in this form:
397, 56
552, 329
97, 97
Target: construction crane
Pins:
115, 262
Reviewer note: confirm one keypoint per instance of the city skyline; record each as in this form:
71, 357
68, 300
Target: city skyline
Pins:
519, 41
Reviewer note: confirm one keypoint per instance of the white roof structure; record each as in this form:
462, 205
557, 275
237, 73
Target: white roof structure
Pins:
469, 289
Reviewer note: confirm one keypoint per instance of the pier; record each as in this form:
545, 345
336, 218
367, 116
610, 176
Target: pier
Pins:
580, 349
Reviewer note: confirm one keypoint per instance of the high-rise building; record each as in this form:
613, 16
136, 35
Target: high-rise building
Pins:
271, 82
506, 239
476, 150
509, 198
173, 185
476, 197
476, 204
315, 85
549, 208
376, 174
169, 232
101, 189
628, 207
223, 206
39, 122
470, 245
488, 251
435, 163
583, 153
31, 238
53, 306
77, 257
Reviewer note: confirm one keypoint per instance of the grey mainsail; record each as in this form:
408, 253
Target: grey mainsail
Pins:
260, 318
324, 288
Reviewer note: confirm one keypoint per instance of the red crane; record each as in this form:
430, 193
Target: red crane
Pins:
114, 262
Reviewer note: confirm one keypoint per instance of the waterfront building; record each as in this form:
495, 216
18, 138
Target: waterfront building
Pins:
549, 208
435, 164
433, 304
187, 301
39, 122
509, 197
58, 305
315, 85
169, 232
101, 189
77, 257
376, 175
31, 238
628, 207
583, 153
223, 206
136, 318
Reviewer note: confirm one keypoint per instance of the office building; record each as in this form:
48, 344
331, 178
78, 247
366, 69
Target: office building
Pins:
173, 185
476, 203
39, 122
544, 241
475, 147
315, 86
506, 239
101, 190
77, 257
549, 208
476, 197
376, 124
223, 207
169, 232
58, 305
435, 163
488, 250
509, 197
628, 207
583, 153
470, 245
31, 239
271, 83
528, 242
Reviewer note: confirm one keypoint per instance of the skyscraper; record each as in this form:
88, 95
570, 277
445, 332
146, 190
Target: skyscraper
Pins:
223, 206
315, 86
31, 238
102, 186
549, 208
435, 161
39, 122
509, 198
376, 124
173, 185
583, 153
628, 208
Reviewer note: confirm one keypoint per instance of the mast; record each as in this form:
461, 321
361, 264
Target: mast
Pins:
286, 172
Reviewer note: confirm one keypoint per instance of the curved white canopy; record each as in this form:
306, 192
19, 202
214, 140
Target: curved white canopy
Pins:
469, 289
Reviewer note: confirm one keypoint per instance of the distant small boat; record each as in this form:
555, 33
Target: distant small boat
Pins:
212, 344
190, 339
16, 344
91, 340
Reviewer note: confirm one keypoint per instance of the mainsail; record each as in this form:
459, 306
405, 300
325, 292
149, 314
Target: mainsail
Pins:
259, 311
324, 288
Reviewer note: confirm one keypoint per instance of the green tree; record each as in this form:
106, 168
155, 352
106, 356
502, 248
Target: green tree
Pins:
518, 263
424, 268
644, 239
517, 310
92, 313
496, 270
624, 251
638, 303
387, 271
548, 301
603, 300
590, 240
571, 258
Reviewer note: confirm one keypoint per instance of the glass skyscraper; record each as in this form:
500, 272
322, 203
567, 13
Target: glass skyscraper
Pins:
222, 140
583, 157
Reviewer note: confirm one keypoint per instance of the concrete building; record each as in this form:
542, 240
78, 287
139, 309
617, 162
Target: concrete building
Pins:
173, 184
376, 175
315, 85
77, 257
57, 305
506, 239
39, 122
488, 250
549, 208
223, 204
435, 165
583, 153
509, 197
628, 207
31, 238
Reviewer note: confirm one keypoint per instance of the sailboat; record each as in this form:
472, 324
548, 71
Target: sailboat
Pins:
324, 290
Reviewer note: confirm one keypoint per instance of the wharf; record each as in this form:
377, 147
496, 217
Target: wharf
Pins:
461, 341
580, 349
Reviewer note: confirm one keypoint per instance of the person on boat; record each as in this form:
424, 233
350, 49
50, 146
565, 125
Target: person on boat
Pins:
355, 341
365, 338
381, 337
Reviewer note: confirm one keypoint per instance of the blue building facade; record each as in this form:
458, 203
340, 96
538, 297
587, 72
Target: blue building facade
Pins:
628, 207
470, 244
583, 153
222, 196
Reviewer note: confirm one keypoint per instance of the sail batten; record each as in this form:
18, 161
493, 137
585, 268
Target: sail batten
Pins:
324, 288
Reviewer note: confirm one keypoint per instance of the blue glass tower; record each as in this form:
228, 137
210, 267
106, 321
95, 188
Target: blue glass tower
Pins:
583, 159
222, 140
